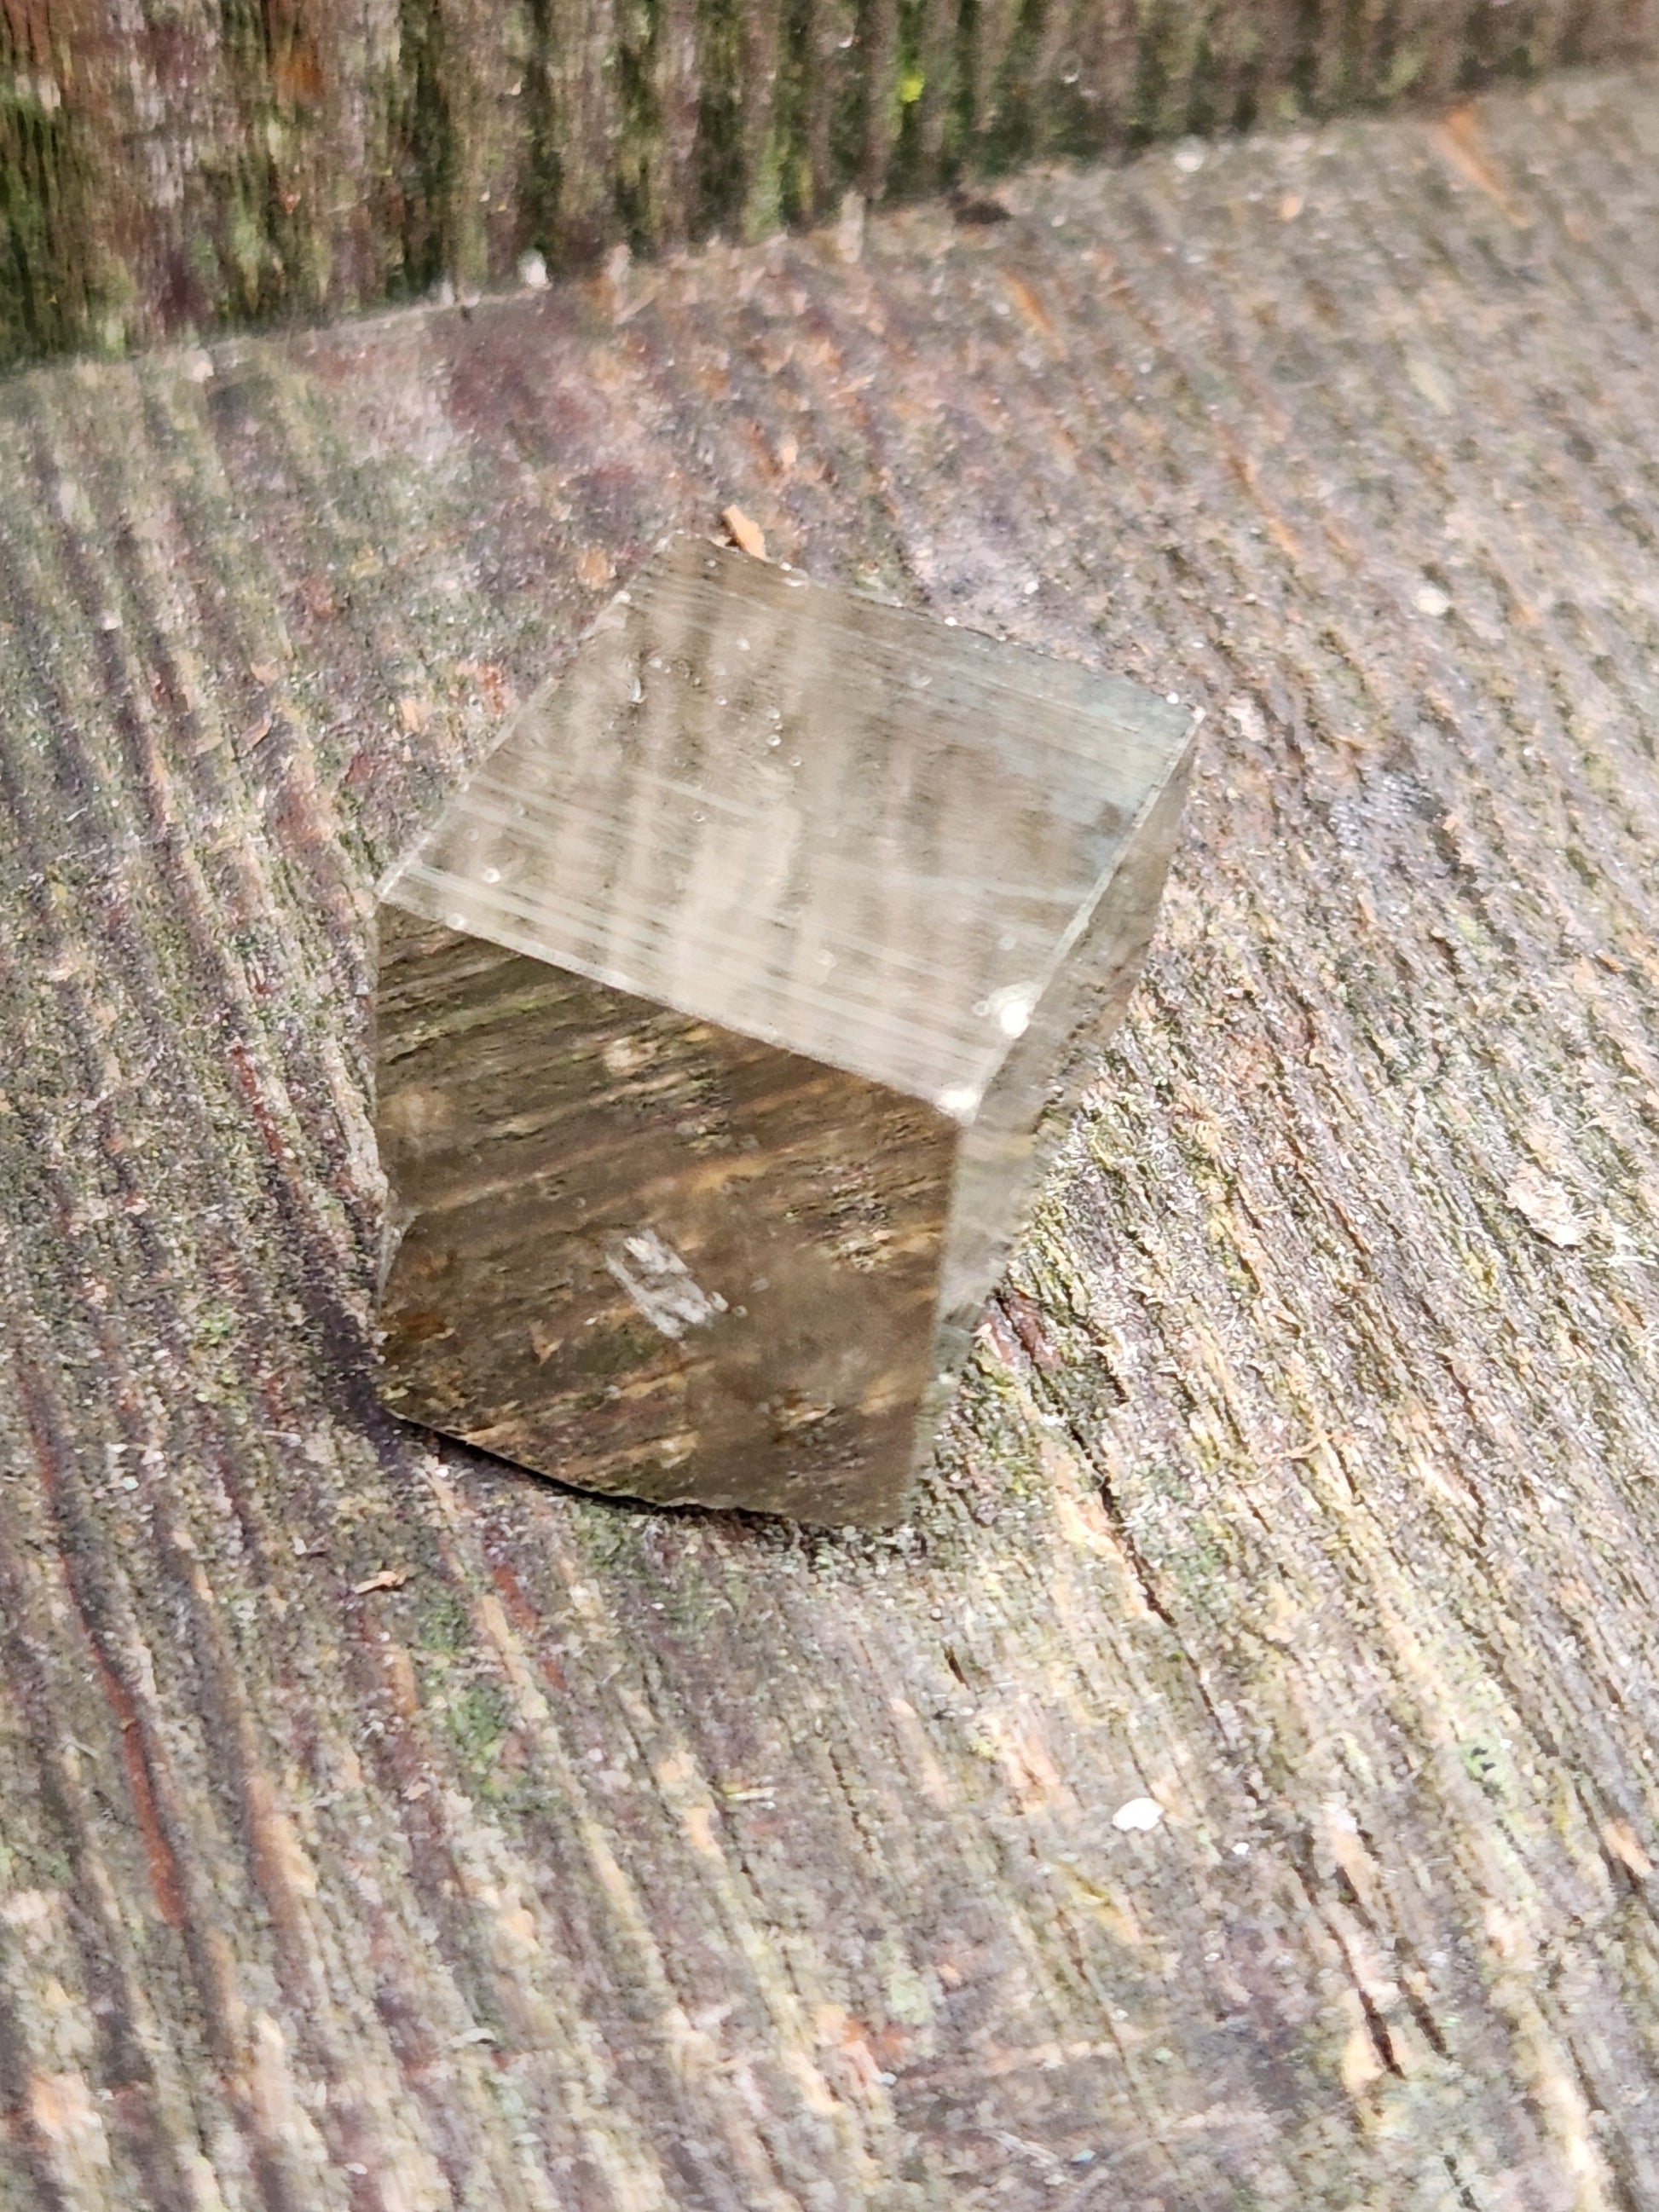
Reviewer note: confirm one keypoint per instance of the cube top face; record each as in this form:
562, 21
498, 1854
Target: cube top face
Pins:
847, 832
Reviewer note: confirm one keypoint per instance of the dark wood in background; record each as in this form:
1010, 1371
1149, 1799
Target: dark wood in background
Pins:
168, 165
381, 1830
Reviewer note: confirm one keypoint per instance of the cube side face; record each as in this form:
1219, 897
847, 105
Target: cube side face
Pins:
645, 1254
1025, 1113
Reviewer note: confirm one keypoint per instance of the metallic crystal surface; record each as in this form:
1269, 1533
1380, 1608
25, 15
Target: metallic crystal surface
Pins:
724, 1018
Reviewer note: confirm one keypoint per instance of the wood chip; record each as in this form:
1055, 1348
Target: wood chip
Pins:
745, 532
849, 228
388, 1578
1548, 1207
1620, 1840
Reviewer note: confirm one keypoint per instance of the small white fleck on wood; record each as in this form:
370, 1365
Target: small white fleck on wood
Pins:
1548, 1207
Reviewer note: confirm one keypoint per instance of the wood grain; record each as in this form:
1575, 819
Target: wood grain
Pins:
378, 1829
178, 166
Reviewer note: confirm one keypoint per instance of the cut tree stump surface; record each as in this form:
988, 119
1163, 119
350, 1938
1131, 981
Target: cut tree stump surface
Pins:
381, 1829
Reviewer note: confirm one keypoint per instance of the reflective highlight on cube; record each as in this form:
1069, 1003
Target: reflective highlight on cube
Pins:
725, 1019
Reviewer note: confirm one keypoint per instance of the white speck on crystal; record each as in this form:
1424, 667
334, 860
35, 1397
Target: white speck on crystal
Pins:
660, 1284
1010, 1008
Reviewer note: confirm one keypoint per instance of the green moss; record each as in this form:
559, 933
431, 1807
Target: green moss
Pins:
541, 179
476, 1720
1403, 72
47, 298
423, 152
1481, 1764
443, 1625
216, 1325
719, 179
638, 142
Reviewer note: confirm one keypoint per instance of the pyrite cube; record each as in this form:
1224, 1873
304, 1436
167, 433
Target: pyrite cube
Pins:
724, 1019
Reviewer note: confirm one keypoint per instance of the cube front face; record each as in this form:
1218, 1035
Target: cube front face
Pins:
642, 1254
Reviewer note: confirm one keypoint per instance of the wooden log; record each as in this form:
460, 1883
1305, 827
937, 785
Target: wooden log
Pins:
1237, 1786
178, 166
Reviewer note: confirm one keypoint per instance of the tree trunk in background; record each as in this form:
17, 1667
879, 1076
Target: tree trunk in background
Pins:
175, 164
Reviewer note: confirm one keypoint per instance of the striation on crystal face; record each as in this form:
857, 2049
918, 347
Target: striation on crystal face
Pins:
726, 1017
